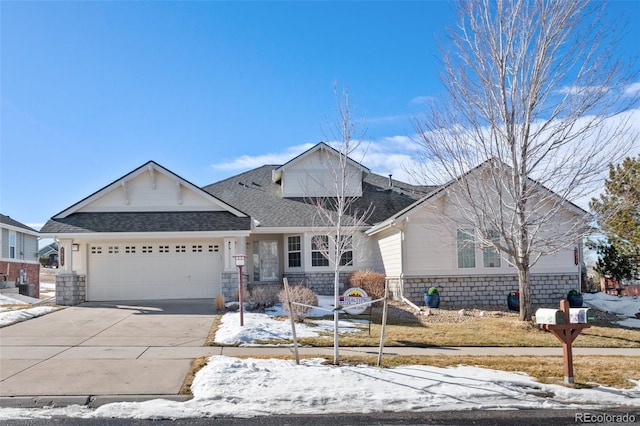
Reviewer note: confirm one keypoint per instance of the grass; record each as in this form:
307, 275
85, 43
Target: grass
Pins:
500, 330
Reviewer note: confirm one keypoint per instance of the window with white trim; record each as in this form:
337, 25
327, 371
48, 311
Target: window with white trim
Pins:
12, 244
466, 248
294, 251
319, 246
346, 258
491, 256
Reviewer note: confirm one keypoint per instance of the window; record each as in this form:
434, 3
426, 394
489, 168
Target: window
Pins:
346, 258
12, 245
491, 256
163, 249
113, 250
466, 249
196, 249
319, 246
96, 250
147, 249
294, 249
181, 249
130, 249
214, 249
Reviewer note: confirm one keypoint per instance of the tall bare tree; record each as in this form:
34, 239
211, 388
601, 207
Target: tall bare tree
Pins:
340, 215
535, 93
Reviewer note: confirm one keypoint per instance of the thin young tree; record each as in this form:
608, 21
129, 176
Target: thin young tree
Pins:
340, 215
535, 93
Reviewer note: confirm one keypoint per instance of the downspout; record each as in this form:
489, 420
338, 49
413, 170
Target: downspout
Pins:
402, 268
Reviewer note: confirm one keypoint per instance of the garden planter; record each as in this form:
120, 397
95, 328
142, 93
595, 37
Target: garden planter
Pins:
575, 300
432, 300
513, 302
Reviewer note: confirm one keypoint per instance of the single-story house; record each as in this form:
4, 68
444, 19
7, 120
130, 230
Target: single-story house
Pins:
48, 255
19, 266
151, 235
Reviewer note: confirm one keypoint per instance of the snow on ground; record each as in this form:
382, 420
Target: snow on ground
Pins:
273, 325
623, 306
255, 387
15, 308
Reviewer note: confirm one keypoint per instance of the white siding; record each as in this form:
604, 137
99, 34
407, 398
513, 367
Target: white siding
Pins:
140, 195
390, 245
312, 176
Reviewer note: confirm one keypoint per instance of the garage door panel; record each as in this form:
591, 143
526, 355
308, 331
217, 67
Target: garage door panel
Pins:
154, 271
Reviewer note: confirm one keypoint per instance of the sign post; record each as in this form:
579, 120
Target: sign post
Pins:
240, 259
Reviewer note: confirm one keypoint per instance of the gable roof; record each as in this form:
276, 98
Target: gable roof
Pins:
15, 225
148, 166
321, 146
75, 221
48, 249
439, 191
256, 193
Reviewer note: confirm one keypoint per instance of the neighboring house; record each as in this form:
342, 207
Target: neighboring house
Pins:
48, 255
19, 256
153, 235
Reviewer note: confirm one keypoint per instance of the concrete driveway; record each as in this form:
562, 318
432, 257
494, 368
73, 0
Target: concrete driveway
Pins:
117, 348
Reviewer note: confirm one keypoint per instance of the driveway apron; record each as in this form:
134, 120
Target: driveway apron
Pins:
104, 349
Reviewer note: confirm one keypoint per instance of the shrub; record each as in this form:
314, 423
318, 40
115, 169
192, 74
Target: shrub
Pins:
298, 294
432, 291
262, 297
371, 282
220, 304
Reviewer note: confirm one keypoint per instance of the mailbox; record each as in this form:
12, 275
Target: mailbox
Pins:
582, 315
549, 316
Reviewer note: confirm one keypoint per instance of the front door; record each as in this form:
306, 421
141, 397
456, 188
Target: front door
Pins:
265, 261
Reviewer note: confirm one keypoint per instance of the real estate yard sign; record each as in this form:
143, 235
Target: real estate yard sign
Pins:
355, 301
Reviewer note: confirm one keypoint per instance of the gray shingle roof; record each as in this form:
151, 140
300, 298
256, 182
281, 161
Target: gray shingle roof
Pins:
12, 222
147, 222
257, 195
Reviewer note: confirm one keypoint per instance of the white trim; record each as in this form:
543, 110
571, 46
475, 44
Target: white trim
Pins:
145, 168
91, 236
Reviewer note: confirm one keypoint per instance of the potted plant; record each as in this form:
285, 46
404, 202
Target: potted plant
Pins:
432, 298
513, 301
575, 298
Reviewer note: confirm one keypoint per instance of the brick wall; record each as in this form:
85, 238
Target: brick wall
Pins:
546, 290
32, 270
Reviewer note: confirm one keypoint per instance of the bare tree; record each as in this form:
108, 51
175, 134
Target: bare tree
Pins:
536, 95
340, 215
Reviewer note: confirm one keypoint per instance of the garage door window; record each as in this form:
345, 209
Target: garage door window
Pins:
163, 249
113, 250
181, 249
130, 249
147, 249
96, 250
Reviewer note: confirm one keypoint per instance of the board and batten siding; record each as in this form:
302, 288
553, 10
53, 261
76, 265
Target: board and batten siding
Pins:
311, 177
138, 194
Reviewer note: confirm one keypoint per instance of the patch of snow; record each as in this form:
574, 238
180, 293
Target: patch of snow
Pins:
12, 317
257, 387
624, 306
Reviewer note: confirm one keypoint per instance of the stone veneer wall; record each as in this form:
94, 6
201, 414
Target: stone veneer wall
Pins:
230, 285
489, 290
320, 282
71, 289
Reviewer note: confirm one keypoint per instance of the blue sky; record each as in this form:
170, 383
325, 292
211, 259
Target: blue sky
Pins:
91, 90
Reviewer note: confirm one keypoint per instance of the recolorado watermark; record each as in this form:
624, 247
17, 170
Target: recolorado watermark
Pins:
604, 418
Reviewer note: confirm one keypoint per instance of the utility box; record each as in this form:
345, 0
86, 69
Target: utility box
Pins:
582, 315
549, 316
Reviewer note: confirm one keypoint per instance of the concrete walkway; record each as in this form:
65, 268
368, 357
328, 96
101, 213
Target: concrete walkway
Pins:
98, 353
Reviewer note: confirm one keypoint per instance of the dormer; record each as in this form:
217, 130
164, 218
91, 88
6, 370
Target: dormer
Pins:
314, 172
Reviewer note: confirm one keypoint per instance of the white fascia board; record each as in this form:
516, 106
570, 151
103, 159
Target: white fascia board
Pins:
93, 236
302, 230
21, 230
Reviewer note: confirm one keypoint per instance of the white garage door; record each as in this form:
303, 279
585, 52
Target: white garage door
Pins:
152, 270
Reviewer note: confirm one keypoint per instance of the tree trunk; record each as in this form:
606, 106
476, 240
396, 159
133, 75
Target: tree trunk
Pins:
336, 316
524, 285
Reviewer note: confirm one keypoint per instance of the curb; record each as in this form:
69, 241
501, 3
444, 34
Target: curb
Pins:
90, 401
